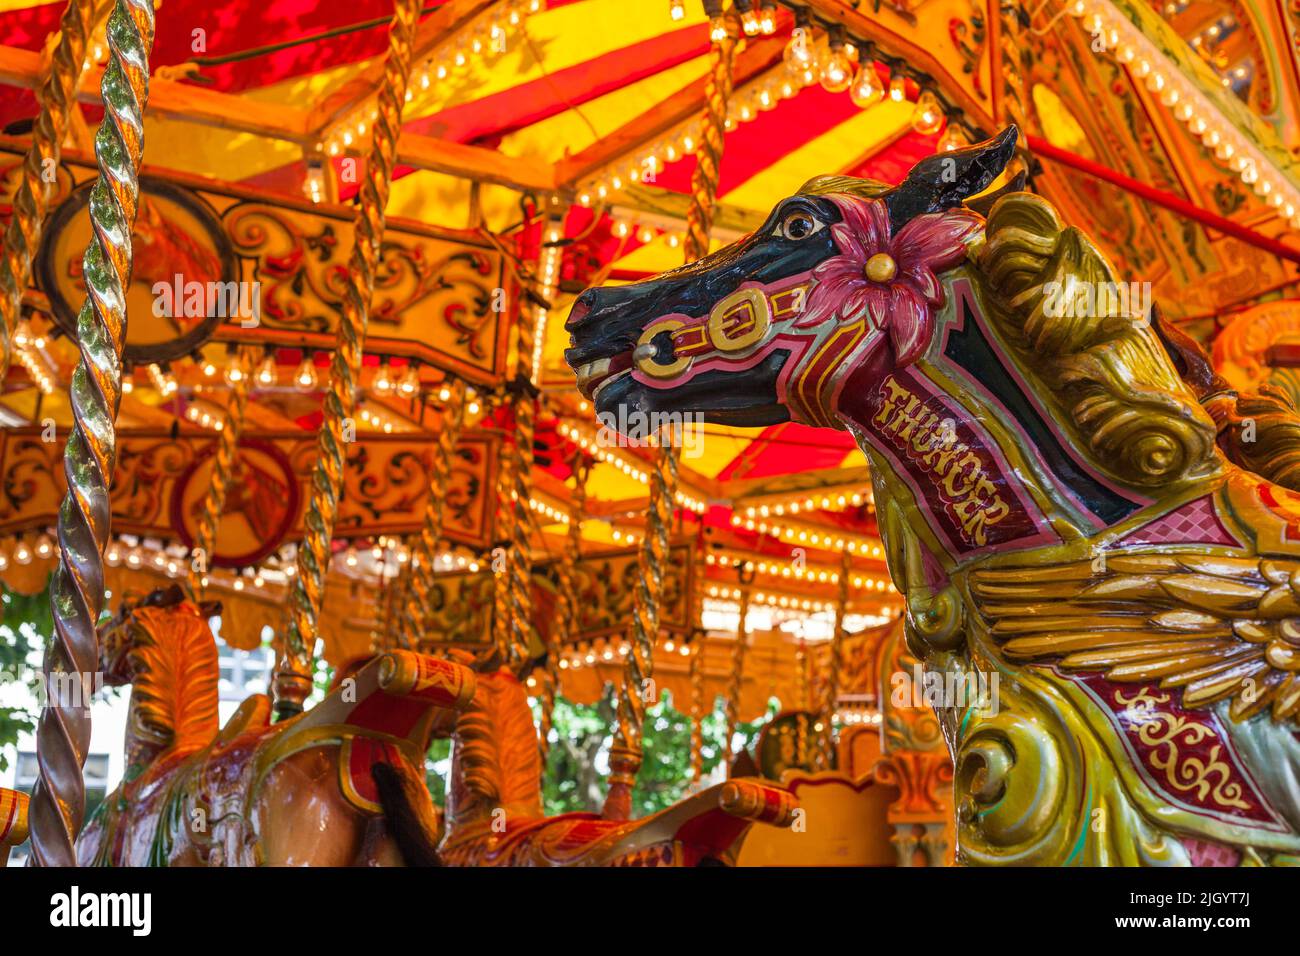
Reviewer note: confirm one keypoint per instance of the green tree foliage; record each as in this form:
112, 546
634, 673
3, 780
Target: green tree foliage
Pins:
577, 764
27, 625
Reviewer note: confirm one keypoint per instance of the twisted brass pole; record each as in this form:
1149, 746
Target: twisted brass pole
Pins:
77, 591
57, 97
697, 708
293, 677
626, 753
519, 563
570, 609
223, 470
831, 688
801, 695
417, 618
708, 157
737, 678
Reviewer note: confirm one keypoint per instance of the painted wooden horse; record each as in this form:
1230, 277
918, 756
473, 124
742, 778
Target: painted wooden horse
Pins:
494, 803
342, 784
1058, 507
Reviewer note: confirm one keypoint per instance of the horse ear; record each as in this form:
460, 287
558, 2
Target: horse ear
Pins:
983, 204
945, 180
1188, 356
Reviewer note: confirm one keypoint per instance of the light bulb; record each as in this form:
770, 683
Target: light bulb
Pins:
677, 9
867, 90
799, 53
305, 376
383, 384
898, 89
927, 117
749, 23
837, 72
409, 386
767, 22
950, 140
266, 375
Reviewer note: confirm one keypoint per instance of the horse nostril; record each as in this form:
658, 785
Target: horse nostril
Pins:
581, 309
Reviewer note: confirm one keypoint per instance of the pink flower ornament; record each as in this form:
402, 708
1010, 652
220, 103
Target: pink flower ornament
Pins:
894, 278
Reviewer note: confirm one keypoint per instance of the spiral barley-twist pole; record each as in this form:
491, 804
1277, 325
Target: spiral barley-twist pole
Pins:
626, 754
708, 157
417, 618
293, 677
57, 96
736, 679
697, 708
569, 612
223, 470
831, 687
519, 563
77, 591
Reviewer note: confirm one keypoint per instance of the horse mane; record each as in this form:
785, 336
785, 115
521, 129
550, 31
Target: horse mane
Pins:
1110, 376
174, 677
496, 746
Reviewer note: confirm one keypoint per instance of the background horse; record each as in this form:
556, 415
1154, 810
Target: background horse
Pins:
340, 785
1052, 496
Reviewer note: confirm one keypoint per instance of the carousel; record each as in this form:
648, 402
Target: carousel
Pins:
670, 433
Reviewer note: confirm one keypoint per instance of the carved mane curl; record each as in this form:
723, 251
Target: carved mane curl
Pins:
496, 757
1110, 375
173, 673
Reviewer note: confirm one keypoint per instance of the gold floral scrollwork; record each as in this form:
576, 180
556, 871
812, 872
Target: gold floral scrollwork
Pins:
1164, 732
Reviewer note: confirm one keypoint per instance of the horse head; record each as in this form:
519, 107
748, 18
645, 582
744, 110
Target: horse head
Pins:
1051, 498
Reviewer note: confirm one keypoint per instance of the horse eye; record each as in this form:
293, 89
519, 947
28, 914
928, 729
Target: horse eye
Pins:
798, 225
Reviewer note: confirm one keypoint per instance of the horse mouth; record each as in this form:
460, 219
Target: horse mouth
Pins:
598, 373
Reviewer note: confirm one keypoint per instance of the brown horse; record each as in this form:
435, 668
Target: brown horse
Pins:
340, 785
494, 803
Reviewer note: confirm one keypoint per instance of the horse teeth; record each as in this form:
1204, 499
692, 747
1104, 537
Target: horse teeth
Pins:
592, 369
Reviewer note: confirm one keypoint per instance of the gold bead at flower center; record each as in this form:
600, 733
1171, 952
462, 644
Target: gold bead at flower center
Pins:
881, 267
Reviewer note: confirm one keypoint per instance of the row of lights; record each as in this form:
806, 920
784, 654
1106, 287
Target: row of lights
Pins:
745, 105
634, 469
858, 715
377, 420
405, 385
606, 652
823, 502
200, 413
21, 551
770, 600
807, 61
489, 36
798, 572
1202, 118
549, 267
547, 510
29, 349
834, 63
817, 536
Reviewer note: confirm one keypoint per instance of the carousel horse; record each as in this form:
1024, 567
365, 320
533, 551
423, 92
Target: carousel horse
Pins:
1072, 525
494, 803
341, 784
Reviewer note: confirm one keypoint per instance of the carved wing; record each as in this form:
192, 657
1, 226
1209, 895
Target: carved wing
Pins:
1215, 627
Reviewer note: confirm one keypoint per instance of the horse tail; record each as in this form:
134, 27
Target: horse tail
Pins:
408, 813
